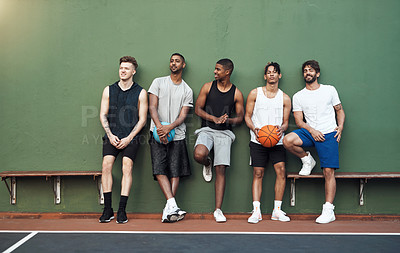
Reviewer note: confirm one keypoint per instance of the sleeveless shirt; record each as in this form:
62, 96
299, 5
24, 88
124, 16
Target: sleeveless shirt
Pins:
267, 111
123, 112
217, 104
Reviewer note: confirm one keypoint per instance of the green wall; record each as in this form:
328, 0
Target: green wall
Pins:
56, 57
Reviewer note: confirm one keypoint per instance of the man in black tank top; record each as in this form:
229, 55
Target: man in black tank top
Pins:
123, 114
220, 106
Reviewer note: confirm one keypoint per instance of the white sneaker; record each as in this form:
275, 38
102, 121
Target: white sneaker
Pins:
219, 216
255, 217
170, 215
279, 215
327, 214
207, 171
181, 214
307, 165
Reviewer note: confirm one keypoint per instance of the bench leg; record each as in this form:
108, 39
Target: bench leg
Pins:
362, 185
57, 190
13, 191
293, 192
100, 190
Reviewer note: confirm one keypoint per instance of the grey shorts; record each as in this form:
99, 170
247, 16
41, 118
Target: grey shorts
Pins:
169, 159
220, 140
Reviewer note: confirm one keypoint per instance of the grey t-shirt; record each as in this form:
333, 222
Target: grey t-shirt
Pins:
171, 98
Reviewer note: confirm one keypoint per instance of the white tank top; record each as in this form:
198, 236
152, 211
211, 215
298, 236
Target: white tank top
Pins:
267, 111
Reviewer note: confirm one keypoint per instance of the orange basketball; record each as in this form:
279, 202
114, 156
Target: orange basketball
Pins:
268, 136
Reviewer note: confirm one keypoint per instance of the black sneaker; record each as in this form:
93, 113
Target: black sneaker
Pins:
121, 217
107, 216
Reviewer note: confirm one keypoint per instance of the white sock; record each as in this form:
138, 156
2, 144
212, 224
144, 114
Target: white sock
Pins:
328, 204
277, 204
256, 205
306, 158
171, 202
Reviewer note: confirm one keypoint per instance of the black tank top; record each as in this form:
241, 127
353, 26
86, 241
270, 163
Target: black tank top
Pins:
217, 104
123, 109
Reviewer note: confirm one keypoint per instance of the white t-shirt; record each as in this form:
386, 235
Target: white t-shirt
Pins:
267, 111
171, 98
317, 106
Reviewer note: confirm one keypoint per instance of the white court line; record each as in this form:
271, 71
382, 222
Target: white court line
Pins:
20, 242
195, 232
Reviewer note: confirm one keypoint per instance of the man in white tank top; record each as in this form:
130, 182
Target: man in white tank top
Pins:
268, 105
318, 104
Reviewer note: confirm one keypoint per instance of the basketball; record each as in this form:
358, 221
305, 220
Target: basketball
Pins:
170, 135
268, 136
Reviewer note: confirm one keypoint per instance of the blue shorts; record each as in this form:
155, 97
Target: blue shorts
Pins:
328, 150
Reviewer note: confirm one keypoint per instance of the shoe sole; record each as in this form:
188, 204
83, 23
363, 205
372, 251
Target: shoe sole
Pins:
326, 222
206, 177
171, 218
106, 221
280, 220
122, 222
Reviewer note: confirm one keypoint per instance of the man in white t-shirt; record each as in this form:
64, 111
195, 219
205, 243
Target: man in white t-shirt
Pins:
268, 105
318, 104
170, 99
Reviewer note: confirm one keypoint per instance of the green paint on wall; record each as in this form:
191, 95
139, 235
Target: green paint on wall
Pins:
56, 57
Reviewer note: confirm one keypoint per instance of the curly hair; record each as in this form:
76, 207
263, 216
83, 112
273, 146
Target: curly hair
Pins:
275, 65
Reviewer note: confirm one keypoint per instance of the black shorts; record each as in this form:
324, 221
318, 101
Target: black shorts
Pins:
259, 155
130, 150
169, 159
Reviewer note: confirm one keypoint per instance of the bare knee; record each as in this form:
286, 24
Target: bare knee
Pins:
329, 173
280, 171
288, 140
107, 166
200, 154
127, 165
220, 170
258, 173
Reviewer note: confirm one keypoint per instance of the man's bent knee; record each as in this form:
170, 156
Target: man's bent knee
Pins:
200, 153
291, 139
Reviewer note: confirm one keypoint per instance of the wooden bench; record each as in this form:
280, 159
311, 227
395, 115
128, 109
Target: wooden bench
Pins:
57, 181
363, 176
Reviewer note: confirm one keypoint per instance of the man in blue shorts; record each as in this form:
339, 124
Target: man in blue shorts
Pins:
268, 105
320, 105
219, 105
123, 114
170, 101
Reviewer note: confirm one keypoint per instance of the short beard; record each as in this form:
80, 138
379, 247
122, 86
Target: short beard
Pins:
175, 71
312, 80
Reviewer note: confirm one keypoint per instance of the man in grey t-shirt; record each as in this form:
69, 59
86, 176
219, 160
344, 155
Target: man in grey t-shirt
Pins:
170, 99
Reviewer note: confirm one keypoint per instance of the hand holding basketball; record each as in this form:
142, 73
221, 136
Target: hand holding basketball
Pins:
170, 136
269, 136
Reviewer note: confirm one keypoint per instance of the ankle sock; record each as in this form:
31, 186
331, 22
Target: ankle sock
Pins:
277, 204
256, 205
306, 158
